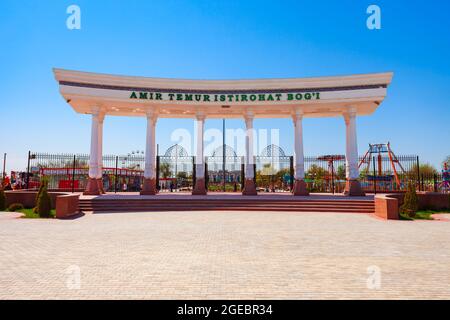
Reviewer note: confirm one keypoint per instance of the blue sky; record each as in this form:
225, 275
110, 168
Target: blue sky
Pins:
225, 40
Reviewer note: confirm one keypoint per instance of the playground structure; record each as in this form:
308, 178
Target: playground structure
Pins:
331, 173
381, 178
445, 184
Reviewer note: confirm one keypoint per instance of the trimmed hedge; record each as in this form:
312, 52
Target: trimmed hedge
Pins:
410, 202
44, 202
14, 207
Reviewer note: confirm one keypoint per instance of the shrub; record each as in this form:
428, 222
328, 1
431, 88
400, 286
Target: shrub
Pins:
14, 207
44, 183
410, 202
2, 200
44, 204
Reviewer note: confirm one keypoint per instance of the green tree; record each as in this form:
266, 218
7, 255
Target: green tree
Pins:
316, 173
165, 170
426, 169
2, 199
44, 204
340, 172
410, 203
42, 185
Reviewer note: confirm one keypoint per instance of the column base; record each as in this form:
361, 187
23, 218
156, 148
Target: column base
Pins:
249, 188
199, 188
300, 188
92, 188
353, 189
149, 187
100, 186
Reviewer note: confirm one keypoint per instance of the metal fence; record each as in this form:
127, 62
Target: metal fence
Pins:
69, 172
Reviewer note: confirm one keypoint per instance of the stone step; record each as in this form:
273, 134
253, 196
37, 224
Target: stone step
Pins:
114, 209
127, 205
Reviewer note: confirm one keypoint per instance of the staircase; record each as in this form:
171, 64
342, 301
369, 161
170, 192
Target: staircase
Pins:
133, 205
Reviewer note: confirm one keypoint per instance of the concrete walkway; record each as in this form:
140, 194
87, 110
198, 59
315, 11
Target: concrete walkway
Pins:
229, 255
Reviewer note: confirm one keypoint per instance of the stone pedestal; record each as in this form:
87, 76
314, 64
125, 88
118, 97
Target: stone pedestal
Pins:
249, 188
300, 188
199, 188
149, 187
353, 189
92, 188
100, 186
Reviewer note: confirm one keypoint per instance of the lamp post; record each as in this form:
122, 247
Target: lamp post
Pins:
4, 167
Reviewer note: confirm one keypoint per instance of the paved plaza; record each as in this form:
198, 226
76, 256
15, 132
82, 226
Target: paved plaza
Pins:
223, 255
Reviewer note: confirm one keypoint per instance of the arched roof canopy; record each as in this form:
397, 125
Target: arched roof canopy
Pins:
264, 98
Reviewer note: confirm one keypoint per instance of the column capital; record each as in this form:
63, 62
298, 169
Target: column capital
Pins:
200, 116
151, 115
101, 116
350, 112
95, 110
249, 115
297, 115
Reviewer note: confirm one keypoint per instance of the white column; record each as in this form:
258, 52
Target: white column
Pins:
101, 117
351, 156
249, 161
199, 166
150, 147
93, 157
299, 173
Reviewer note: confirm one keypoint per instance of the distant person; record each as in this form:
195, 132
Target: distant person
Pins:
124, 187
235, 187
171, 187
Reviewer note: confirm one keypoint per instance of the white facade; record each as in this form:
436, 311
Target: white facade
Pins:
110, 95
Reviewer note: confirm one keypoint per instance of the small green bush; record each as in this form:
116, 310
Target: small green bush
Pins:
44, 183
14, 207
44, 204
2, 200
410, 202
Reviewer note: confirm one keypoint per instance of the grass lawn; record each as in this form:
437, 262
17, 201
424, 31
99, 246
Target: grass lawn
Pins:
425, 214
29, 214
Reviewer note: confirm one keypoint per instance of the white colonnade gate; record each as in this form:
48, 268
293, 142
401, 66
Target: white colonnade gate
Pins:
111, 95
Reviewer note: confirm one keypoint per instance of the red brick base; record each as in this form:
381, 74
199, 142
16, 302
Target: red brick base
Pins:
353, 189
67, 206
249, 188
92, 188
300, 188
100, 186
149, 187
199, 188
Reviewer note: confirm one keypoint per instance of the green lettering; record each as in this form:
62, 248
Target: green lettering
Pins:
133, 95
308, 96
270, 98
179, 96
158, 96
143, 95
171, 95
252, 97
244, 97
206, 97
278, 95
298, 96
222, 97
188, 97
261, 97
